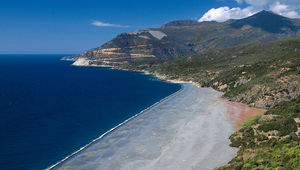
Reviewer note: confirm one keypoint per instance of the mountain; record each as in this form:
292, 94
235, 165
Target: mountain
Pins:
179, 39
264, 75
267, 21
259, 74
255, 60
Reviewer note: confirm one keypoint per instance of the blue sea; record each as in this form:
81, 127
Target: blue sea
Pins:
49, 109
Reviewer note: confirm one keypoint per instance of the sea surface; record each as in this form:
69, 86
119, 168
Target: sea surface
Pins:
49, 109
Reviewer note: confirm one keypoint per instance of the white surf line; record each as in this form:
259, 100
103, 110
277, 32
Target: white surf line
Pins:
115, 128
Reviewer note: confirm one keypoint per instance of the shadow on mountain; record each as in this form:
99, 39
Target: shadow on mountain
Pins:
267, 21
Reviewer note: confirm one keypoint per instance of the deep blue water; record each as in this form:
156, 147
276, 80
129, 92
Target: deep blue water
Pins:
49, 109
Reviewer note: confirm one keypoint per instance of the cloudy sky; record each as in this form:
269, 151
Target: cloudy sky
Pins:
73, 26
288, 8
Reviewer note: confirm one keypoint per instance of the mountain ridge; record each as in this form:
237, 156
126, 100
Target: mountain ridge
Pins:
182, 38
241, 62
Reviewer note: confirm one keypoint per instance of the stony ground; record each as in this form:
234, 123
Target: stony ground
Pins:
188, 130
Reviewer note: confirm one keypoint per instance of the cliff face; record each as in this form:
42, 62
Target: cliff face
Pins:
142, 45
179, 39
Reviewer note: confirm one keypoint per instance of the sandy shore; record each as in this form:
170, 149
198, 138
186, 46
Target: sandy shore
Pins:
188, 130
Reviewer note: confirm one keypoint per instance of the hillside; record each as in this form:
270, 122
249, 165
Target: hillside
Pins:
270, 141
179, 39
260, 74
246, 59
263, 75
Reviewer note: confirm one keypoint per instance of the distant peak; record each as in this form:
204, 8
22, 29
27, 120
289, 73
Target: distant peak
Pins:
267, 21
264, 12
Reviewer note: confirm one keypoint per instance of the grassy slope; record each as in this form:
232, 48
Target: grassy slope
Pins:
261, 74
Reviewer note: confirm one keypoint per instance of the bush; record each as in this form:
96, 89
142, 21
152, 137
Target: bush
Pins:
247, 138
283, 125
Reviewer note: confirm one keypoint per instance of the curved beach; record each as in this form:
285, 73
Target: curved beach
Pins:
187, 130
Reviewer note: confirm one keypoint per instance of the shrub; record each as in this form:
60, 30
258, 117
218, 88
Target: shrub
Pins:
285, 125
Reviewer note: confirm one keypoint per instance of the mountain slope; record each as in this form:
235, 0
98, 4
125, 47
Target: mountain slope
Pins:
179, 39
259, 74
270, 141
262, 75
237, 58
267, 21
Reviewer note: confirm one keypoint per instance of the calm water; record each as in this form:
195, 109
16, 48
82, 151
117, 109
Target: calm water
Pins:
49, 109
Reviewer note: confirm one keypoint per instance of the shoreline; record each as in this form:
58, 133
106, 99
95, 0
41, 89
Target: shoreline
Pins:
157, 76
112, 130
211, 138
251, 113
237, 120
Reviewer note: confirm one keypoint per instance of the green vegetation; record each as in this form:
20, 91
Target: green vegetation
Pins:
251, 121
291, 109
269, 142
186, 37
284, 125
260, 74
280, 156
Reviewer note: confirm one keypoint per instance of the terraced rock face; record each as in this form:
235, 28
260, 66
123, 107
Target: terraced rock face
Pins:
179, 39
142, 45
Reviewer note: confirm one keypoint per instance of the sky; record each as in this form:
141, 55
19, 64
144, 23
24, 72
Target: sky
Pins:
73, 26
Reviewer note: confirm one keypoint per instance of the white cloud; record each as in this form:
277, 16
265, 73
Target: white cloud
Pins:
291, 14
278, 7
286, 8
103, 24
225, 13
